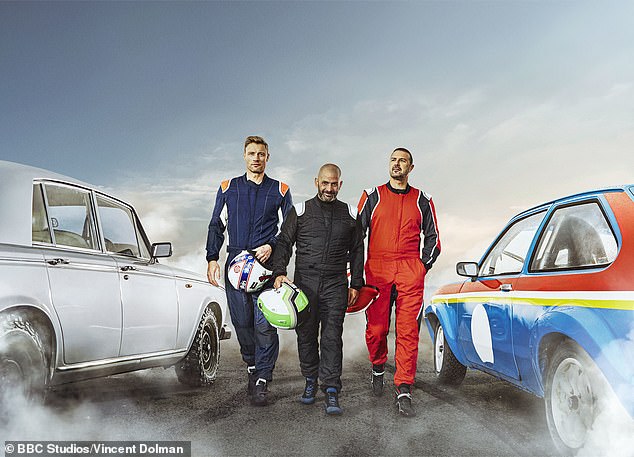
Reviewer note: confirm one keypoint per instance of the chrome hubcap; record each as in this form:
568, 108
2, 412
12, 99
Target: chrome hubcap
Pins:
572, 402
439, 348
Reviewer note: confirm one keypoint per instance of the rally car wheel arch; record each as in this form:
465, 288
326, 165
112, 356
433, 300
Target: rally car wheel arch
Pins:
572, 396
23, 361
447, 368
200, 366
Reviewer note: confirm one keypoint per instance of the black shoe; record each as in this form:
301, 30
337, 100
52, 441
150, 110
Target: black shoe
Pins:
332, 402
260, 395
404, 400
252, 379
308, 397
378, 372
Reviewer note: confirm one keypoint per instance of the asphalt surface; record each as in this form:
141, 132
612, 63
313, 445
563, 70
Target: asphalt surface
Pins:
482, 417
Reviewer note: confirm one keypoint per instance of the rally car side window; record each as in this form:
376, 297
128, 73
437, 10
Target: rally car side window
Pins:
576, 236
509, 253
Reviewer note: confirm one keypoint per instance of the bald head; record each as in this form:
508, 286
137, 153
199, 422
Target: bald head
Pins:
328, 182
329, 169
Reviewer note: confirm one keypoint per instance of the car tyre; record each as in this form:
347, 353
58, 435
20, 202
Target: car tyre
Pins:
200, 365
448, 369
573, 394
23, 360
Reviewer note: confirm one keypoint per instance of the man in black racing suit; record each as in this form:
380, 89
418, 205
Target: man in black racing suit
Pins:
327, 234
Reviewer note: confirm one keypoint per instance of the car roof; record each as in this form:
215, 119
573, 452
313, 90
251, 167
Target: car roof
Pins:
16, 189
589, 193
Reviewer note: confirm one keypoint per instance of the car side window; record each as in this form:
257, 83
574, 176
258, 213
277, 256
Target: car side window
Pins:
119, 229
40, 232
509, 253
70, 215
576, 236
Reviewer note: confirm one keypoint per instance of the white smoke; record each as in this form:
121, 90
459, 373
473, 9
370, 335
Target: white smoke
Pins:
612, 434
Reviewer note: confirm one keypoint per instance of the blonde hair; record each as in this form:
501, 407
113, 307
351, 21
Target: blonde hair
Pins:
257, 140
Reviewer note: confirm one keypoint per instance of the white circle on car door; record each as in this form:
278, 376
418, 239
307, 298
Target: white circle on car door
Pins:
481, 333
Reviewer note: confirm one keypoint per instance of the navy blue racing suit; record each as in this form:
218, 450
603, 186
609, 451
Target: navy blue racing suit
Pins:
252, 215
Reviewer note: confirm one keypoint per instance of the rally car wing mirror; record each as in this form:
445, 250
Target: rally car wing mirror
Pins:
468, 269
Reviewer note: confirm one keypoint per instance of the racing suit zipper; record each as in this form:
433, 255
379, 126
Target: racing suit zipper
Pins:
329, 227
252, 203
400, 221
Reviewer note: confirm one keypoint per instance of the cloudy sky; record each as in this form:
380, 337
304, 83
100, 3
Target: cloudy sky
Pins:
503, 104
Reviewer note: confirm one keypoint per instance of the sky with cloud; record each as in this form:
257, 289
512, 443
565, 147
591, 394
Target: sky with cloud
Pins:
503, 104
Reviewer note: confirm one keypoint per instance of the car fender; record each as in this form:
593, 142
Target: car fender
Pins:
194, 296
45, 317
587, 328
25, 287
441, 311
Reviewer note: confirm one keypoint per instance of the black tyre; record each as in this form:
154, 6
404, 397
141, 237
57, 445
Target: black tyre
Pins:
23, 361
200, 365
573, 396
448, 370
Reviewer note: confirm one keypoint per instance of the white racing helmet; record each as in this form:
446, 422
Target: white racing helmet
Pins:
284, 307
246, 273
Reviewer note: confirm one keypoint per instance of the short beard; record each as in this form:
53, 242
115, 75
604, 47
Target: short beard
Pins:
322, 196
399, 177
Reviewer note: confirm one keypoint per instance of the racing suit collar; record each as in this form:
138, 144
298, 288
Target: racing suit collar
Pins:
398, 191
253, 183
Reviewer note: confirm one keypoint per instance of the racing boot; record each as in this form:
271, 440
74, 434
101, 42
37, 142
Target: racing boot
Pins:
252, 379
404, 400
332, 402
310, 390
378, 372
260, 395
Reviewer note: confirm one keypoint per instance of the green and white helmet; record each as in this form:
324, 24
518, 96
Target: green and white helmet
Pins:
283, 307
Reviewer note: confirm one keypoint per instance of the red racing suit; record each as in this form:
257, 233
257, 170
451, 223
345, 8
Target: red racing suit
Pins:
403, 245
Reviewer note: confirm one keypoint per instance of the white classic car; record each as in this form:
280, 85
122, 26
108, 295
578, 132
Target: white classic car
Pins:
83, 295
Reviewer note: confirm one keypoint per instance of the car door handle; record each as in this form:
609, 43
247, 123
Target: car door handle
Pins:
506, 287
128, 268
58, 262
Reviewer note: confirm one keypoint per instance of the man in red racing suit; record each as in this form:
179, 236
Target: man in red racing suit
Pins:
403, 245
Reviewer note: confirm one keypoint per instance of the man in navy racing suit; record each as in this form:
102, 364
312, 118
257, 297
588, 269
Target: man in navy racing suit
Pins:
251, 208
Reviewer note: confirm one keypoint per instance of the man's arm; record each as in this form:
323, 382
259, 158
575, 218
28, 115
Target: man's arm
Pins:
286, 240
356, 255
429, 228
365, 207
285, 206
216, 236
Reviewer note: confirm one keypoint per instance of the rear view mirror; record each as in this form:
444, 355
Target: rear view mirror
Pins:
161, 250
468, 269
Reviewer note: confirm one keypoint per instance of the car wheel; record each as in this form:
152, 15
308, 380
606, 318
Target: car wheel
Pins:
200, 365
23, 361
572, 396
448, 370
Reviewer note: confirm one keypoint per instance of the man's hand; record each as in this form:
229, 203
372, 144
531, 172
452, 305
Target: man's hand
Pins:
279, 280
213, 272
263, 252
353, 294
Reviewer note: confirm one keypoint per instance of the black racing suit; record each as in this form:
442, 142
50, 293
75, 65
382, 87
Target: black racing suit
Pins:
327, 235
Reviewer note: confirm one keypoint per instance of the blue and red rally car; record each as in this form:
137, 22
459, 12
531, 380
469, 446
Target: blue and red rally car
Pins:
550, 309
